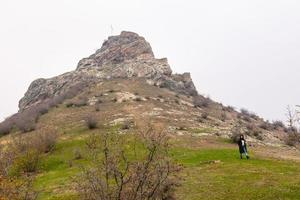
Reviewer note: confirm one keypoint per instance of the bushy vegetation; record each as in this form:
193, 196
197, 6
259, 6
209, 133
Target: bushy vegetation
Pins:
122, 173
91, 122
25, 120
278, 124
223, 116
236, 132
201, 102
20, 159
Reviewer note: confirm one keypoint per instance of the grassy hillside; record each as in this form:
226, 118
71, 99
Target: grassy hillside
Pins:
211, 167
210, 171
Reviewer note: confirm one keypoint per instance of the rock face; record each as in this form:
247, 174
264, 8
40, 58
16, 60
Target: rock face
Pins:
123, 56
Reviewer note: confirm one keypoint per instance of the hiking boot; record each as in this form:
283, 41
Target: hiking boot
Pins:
248, 157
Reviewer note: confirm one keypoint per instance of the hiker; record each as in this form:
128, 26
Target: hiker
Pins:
243, 147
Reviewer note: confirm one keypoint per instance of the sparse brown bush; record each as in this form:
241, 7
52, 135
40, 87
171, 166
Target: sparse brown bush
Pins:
199, 119
69, 104
6, 127
28, 161
19, 159
17, 189
25, 124
247, 114
92, 142
259, 137
292, 138
80, 102
127, 124
25, 150
204, 115
266, 126
278, 124
138, 99
201, 102
114, 100
146, 176
91, 122
251, 127
97, 107
26, 120
223, 117
45, 140
77, 154
177, 101
236, 132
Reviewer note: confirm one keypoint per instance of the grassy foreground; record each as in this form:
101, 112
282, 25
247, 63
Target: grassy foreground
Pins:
208, 173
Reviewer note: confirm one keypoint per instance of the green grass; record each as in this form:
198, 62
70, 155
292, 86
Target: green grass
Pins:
231, 178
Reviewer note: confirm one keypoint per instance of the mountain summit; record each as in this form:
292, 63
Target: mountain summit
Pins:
123, 56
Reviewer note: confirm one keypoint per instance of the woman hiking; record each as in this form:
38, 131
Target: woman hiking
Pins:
243, 147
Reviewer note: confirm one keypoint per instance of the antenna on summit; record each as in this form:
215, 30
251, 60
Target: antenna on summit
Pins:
111, 30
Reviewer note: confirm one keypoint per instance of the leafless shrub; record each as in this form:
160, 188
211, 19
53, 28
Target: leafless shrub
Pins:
204, 115
17, 189
251, 127
266, 126
259, 137
247, 114
69, 104
114, 100
236, 132
228, 108
25, 120
6, 127
77, 154
80, 102
92, 142
201, 102
138, 99
127, 124
115, 177
278, 124
25, 123
45, 140
292, 139
91, 122
97, 107
223, 117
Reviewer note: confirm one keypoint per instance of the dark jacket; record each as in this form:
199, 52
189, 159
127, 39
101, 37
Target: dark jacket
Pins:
243, 149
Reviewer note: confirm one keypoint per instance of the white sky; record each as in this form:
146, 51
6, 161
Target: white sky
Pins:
244, 53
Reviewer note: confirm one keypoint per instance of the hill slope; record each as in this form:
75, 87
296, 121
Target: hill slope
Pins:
124, 88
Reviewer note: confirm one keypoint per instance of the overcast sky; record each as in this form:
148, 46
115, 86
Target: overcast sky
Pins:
244, 53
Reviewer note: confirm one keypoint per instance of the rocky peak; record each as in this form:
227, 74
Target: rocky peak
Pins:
123, 56
117, 49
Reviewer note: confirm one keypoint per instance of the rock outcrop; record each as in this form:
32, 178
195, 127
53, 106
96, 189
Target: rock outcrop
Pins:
123, 56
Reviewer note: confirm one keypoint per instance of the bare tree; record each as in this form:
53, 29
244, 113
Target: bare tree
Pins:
120, 173
293, 138
291, 118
